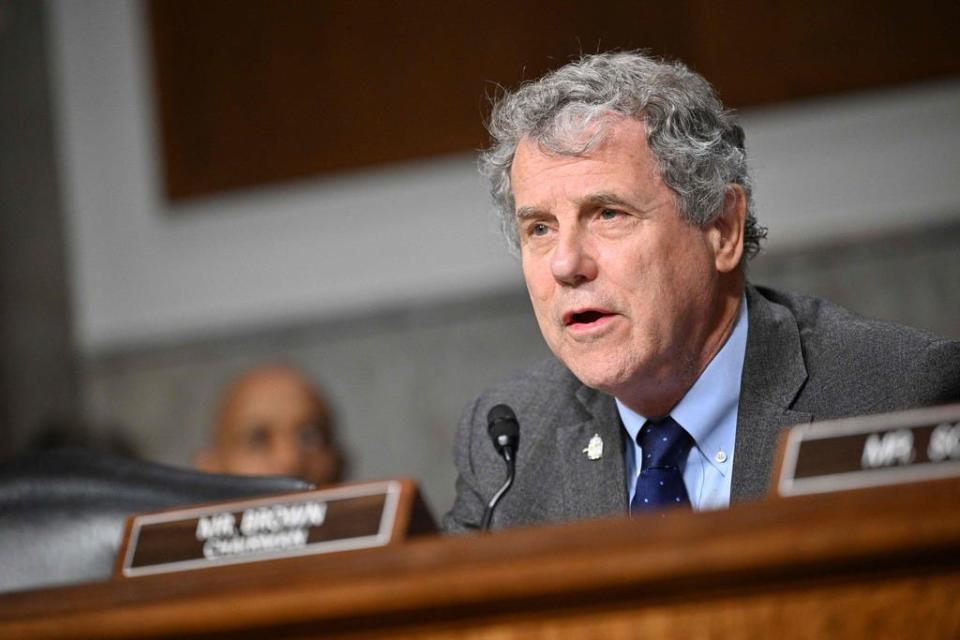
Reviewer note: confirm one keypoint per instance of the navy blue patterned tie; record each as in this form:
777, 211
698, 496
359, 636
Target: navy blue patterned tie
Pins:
665, 445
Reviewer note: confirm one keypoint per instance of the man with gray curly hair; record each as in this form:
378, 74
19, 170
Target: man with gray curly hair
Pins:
622, 183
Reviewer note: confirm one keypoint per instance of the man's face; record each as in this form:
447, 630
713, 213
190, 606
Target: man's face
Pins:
275, 424
623, 288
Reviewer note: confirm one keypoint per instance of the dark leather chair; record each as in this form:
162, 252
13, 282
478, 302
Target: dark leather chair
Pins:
62, 512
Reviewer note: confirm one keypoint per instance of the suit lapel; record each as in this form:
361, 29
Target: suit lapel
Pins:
773, 374
592, 488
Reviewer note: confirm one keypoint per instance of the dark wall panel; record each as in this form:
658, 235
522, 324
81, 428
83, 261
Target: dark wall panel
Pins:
38, 375
259, 91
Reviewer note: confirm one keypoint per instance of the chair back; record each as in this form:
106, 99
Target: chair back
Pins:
62, 512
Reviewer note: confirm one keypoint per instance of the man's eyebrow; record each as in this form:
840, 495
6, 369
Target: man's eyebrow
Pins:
601, 198
524, 213
605, 197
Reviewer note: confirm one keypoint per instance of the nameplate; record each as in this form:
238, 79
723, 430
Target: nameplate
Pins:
304, 523
856, 453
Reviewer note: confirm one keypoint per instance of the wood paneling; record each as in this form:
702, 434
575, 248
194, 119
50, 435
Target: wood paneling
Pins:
259, 91
879, 563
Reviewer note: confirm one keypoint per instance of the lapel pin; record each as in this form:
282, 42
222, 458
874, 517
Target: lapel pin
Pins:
594, 448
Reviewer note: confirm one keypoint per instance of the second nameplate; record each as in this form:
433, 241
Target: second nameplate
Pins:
868, 451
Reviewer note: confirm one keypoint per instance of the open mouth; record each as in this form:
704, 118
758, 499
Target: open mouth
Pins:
585, 318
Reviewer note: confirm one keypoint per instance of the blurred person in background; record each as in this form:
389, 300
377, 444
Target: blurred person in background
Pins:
272, 420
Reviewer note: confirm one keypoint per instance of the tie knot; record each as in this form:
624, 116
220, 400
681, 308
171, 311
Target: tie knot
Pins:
665, 444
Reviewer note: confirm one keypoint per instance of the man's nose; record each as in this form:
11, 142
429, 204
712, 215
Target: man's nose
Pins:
573, 262
285, 457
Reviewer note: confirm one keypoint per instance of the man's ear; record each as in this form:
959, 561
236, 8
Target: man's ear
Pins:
207, 460
726, 232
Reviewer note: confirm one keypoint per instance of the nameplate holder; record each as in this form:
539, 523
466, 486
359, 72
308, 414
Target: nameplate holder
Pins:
870, 451
337, 519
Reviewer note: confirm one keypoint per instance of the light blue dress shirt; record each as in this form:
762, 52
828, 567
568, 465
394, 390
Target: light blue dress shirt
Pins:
708, 412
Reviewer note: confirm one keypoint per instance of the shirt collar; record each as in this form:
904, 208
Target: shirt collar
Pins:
712, 400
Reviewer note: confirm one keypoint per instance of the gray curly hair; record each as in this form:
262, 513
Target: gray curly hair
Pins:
698, 145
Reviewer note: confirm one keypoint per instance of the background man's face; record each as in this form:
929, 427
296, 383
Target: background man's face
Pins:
622, 287
275, 424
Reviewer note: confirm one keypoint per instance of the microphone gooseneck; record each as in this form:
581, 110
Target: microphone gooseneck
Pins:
504, 431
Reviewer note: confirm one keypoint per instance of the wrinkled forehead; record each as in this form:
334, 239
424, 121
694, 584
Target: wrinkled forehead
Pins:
580, 136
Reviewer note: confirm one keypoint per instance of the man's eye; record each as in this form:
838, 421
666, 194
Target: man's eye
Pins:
539, 229
257, 437
312, 436
609, 214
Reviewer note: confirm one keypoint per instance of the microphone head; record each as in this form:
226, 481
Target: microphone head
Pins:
503, 428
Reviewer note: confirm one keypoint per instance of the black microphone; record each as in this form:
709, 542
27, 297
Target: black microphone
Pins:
504, 430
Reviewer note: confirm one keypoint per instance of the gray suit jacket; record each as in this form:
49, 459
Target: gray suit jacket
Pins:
806, 359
